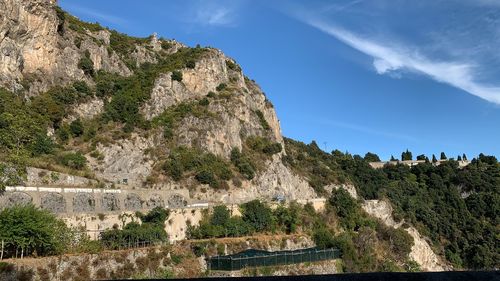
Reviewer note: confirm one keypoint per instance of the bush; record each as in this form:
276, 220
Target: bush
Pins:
123, 44
206, 177
82, 88
176, 76
263, 145
243, 163
165, 45
157, 215
73, 160
323, 238
221, 87
209, 168
204, 102
191, 64
151, 230
63, 133
262, 119
86, 64
272, 148
400, 242
233, 66
42, 145
287, 218
76, 128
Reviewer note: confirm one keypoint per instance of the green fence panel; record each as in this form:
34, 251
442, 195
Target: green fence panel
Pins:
255, 258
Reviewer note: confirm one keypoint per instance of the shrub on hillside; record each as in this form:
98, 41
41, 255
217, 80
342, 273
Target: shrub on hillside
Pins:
76, 128
176, 76
73, 160
243, 163
323, 238
208, 168
86, 64
263, 145
262, 119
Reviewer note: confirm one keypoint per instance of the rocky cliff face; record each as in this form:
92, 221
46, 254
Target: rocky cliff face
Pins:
421, 251
38, 51
42, 47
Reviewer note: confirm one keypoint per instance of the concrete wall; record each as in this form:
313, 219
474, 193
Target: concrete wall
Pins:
93, 200
379, 165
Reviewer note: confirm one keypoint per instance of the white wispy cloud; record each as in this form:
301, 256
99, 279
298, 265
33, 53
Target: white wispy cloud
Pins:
393, 58
106, 18
368, 130
217, 16
219, 13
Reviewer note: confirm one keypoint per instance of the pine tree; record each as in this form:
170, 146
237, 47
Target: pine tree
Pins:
459, 158
434, 160
443, 156
464, 157
393, 159
406, 156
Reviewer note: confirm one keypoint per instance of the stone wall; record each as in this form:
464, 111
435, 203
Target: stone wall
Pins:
93, 200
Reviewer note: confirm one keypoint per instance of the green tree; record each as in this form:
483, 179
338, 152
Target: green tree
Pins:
323, 238
157, 215
434, 159
421, 157
443, 156
406, 156
393, 159
287, 218
220, 215
346, 208
258, 215
24, 227
371, 157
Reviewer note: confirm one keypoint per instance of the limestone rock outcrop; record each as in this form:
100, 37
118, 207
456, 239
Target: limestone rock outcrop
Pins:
421, 251
42, 47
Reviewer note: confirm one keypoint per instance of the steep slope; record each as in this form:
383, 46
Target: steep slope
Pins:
451, 211
130, 105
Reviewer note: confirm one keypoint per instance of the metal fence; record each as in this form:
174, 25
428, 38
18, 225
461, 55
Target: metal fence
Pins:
255, 258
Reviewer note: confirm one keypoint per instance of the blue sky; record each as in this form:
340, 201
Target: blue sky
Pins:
355, 75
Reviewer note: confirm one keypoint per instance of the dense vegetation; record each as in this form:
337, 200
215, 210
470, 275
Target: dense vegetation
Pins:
458, 208
366, 244
27, 230
206, 167
151, 230
256, 217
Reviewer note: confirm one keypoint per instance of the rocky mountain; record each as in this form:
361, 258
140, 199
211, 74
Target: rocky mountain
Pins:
83, 105
138, 100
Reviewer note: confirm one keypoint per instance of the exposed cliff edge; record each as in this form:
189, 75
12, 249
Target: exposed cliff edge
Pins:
421, 251
210, 105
